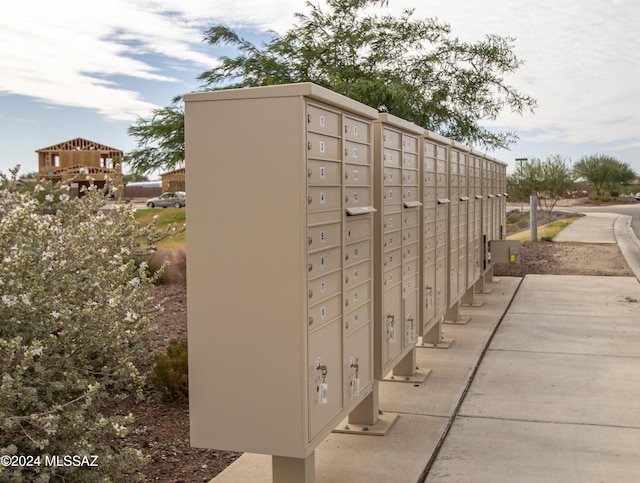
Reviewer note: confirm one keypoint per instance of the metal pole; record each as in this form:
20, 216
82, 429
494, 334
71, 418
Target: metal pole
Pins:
533, 217
520, 160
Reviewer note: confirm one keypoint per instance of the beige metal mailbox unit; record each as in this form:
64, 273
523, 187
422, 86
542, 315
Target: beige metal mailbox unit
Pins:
280, 268
493, 213
474, 253
435, 196
397, 247
458, 231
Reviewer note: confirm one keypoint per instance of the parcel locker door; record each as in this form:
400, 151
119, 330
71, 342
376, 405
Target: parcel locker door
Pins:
392, 325
325, 376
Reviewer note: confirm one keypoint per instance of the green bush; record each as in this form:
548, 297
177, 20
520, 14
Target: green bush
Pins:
171, 372
75, 318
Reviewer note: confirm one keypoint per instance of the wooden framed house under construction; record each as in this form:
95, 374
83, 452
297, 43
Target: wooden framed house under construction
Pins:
66, 162
174, 180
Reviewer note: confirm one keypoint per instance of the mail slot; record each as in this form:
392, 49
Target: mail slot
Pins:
324, 261
357, 274
324, 312
410, 161
357, 130
391, 195
324, 236
392, 222
357, 317
324, 286
391, 158
323, 147
392, 276
392, 259
322, 120
323, 198
358, 294
356, 252
323, 172
410, 235
391, 139
392, 240
357, 196
357, 175
410, 144
356, 153
392, 176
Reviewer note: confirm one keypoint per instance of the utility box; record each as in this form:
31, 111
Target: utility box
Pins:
280, 269
397, 244
505, 251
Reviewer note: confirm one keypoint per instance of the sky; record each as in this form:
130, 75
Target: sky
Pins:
90, 69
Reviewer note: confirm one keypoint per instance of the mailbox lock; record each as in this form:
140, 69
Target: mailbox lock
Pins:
309, 173
310, 320
310, 240
310, 267
309, 145
321, 368
346, 198
310, 293
309, 199
346, 279
346, 175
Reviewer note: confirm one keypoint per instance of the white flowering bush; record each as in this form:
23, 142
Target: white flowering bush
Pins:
74, 325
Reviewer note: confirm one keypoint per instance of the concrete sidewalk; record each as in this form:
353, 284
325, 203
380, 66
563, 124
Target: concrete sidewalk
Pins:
556, 397
541, 385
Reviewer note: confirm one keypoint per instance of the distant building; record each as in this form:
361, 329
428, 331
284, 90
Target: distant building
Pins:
174, 180
65, 161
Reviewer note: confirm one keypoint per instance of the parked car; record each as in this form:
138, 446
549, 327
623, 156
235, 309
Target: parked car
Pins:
638, 196
177, 199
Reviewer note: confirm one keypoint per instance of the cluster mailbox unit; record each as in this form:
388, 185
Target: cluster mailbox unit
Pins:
397, 247
324, 239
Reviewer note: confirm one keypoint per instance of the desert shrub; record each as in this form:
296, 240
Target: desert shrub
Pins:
74, 323
171, 372
598, 199
173, 264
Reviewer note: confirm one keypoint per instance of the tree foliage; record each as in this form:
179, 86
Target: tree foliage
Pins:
412, 68
605, 172
75, 315
160, 140
548, 181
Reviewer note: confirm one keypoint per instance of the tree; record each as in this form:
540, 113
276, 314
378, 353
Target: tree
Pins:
411, 68
605, 172
160, 140
548, 181
76, 316
133, 178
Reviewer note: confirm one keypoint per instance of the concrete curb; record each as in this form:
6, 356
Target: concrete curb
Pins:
628, 242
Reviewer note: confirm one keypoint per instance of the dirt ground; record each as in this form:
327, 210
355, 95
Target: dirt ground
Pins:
567, 259
161, 429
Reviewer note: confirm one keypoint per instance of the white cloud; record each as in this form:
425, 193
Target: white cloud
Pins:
580, 56
68, 52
